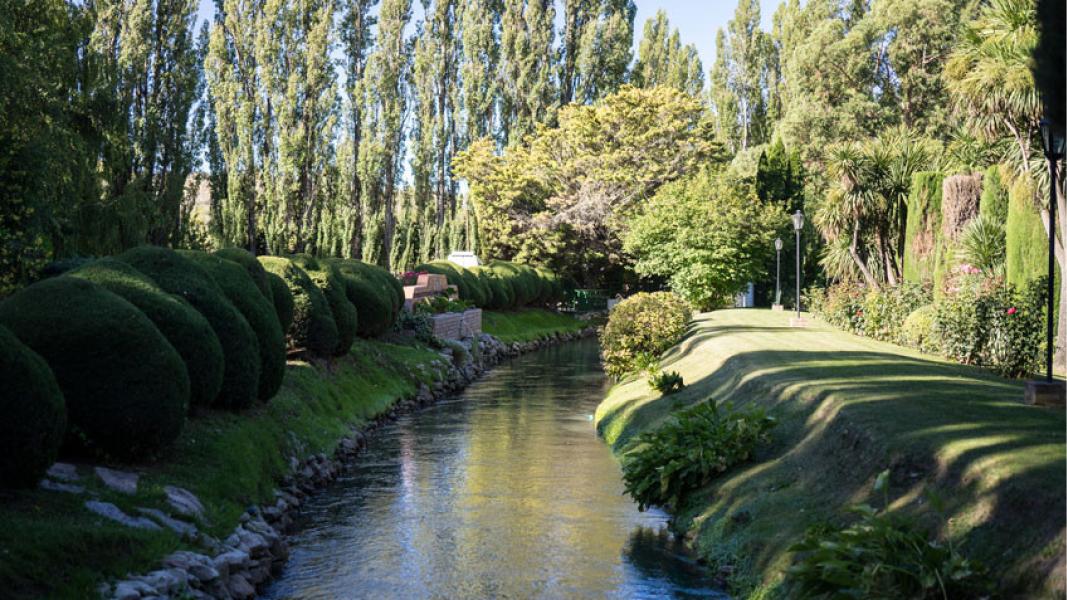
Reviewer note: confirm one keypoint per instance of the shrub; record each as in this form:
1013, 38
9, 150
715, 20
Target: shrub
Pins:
333, 286
918, 329
982, 244
369, 289
240, 288
881, 556
643, 324
183, 326
523, 289
665, 382
468, 284
840, 305
282, 300
312, 329
1015, 322
126, 388
884, 310
255, 270
240, 347
690, 450
34, 414
418, 323
501, 295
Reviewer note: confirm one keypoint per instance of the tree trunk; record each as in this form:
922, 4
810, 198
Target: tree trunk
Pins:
867, 275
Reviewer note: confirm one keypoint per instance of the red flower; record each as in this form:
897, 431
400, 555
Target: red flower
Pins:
1012, 311
859, 313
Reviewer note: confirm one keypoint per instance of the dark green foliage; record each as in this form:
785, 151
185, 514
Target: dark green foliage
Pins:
881, 556
666, 382
240, 347
240, 288
641, 328
524, 285
1026, 252
690, 450
283, 300
126, 388
453, 273
255, 270
994, 202
922, 237
499, 296
370, 290
34, 414
183, 326
333, 286
313, 329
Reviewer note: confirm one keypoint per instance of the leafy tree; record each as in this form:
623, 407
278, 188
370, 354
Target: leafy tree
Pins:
662, 60
526, 82
596, 51
707, 234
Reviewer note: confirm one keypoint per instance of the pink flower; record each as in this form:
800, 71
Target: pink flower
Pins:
1012, 311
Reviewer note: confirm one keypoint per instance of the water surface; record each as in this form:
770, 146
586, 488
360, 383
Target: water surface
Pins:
502, 492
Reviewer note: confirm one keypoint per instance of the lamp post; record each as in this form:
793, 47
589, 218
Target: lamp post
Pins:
1049, 391
777, 274
798, 224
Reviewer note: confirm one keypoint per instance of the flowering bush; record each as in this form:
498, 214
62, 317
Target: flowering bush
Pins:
641, 328
840, 305
884, 311
1014, 320
411, 277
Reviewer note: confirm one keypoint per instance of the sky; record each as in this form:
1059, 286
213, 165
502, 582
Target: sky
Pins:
696, 20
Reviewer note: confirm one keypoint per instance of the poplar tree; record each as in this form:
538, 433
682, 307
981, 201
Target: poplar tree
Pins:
526, 87
479, 21
604, 51
357, 40
662, 60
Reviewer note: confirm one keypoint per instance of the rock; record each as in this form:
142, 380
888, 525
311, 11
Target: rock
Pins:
168, 582
110, 511
132, 590
184, 501
186, 530
240, 588
64, 472
200, 567
55, 486
120, 481
231, 562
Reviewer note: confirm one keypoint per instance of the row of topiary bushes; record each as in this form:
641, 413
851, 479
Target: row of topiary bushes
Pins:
106, 356
977, 319
500, 285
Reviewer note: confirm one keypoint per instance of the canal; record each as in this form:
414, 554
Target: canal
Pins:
503, 491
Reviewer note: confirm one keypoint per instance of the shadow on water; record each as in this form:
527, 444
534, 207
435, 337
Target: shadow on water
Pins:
502, 492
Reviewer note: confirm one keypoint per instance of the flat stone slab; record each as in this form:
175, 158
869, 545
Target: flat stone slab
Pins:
120, 481
184, 501
64, 472
180, 527
59, 486
110, 511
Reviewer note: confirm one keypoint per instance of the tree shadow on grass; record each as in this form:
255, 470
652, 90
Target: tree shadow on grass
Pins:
844, 416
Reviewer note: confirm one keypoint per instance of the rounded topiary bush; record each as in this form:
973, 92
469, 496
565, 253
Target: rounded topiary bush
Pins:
449, 270
641, 328
185, 328
371, 302
312, 329
385, 288
283, 300
328, 278
501, 294
523, 289
126, 388
240, 288
918, 330
240, 346
34, 414
255, 270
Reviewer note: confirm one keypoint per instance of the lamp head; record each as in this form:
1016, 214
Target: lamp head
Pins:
778, 243
1051, 139
798, 220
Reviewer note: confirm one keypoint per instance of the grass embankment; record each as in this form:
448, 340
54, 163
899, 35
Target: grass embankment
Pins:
849, 407
52, 546
527, 325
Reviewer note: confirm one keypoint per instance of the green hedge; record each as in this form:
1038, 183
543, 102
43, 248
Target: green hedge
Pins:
500, 294
240, 346
922, 238
313, 328
255, 270
241, 289
183, 326
1027, 249
328, 278
499, 284
994, 202
126, 388
283, 300
374, 293
34, 414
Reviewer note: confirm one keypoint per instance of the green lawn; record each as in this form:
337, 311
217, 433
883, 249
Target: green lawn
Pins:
849, 407
526, 325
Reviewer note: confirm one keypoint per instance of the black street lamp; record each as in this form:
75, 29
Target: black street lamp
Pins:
798, 224
778, 273
1049, 391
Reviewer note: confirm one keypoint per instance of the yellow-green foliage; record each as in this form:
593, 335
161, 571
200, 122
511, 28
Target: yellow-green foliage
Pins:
922, 240
240, 288
126, 388
641, 328
183, 326
1027, 246
240, 346
312, 328
529, 324
34, 414
994, 202
328, 278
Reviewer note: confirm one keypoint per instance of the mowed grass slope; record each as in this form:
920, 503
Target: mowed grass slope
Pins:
849, 407
528, 324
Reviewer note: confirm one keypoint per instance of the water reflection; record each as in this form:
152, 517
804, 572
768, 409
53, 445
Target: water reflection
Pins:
504, 492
